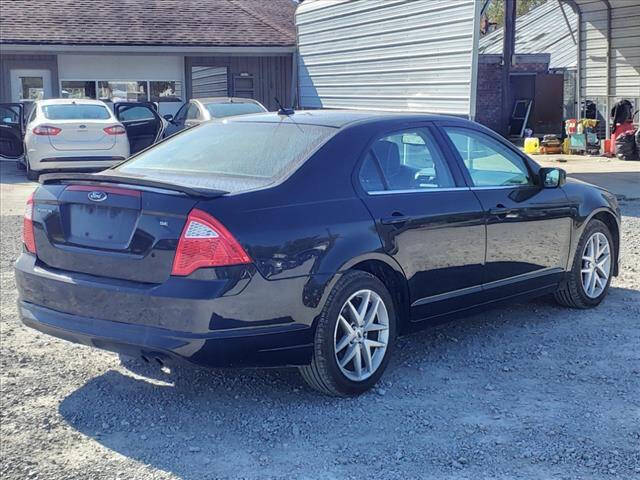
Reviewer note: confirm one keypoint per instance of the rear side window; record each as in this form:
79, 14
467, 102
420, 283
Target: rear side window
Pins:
9, 114
250, 151
219, 110
136, 112
75, 112
406, 160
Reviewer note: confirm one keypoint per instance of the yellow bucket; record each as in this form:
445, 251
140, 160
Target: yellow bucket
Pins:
531, 145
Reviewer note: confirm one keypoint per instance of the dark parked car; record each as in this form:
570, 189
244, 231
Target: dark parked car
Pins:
310, 239
199, 110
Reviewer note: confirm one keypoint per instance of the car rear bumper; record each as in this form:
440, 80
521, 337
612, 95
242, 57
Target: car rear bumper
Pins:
98, 162
44, 157
204, 322
257, 347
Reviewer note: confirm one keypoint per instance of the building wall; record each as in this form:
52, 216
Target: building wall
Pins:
120, 67
414, 56
489, 93
10, 62
489, 96
272, 76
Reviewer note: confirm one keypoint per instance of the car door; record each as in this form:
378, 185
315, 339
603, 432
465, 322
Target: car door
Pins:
11, 130
428, 220
177, 122
142, 123
528, 226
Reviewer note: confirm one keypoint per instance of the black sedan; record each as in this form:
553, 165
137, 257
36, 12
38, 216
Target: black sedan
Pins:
310, 239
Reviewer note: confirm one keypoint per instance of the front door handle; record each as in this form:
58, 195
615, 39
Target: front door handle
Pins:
396, 219
503, 212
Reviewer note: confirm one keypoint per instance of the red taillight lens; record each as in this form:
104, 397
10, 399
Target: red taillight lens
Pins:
27, 227
115, 130
46, 130
205, 242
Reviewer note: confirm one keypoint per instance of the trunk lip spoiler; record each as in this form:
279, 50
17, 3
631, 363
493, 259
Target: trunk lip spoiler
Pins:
51, 178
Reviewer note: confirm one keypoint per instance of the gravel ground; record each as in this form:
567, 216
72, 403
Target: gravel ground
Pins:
528, 391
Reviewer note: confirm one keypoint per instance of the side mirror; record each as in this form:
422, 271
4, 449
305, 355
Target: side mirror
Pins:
552, 177
168, 117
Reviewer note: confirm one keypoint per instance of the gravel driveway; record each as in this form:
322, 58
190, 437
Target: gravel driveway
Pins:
527, 391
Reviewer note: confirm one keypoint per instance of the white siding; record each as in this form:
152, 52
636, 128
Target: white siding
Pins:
624, 75
209, 82
403, 55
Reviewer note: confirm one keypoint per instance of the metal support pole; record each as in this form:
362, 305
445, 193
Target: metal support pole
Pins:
508, 47
607, 101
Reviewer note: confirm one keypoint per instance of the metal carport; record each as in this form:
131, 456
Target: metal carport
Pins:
609, 52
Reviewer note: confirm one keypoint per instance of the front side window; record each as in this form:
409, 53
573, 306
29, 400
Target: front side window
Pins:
181, 115
129, 113
489, 163
407, 160
193, 113
75, 111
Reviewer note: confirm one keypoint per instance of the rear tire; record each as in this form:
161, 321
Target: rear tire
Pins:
353, 343
582, 290
31, 174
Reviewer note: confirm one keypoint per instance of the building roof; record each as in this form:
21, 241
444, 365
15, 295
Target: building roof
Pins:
542, 30
203, 23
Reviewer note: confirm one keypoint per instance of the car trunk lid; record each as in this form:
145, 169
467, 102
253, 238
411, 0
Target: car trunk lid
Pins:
82, 135
119, 230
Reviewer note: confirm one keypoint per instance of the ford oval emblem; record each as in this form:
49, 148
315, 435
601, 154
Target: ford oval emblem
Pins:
96, 196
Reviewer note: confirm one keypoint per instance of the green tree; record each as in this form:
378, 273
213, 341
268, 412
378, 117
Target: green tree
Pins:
495, 10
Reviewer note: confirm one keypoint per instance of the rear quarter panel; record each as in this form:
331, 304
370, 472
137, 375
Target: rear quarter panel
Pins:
312, 224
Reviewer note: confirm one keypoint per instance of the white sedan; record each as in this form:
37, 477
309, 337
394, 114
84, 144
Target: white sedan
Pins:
79, 134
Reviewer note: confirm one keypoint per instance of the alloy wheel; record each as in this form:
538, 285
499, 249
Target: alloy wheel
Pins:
361, 335
596, 265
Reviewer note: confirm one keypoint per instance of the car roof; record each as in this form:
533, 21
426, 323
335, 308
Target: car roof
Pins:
226, 100
337, 118
70, 101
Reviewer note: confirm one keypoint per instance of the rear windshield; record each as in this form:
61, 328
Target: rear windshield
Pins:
75, 112
228, 155
219, 110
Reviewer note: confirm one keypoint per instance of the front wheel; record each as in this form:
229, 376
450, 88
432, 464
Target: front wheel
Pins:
354, 336
592, 268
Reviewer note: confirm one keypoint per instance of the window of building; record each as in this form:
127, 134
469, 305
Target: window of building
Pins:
78, 89
163, 91
123, 91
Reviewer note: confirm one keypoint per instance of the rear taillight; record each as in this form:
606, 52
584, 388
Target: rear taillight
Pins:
115, 130
27, 228
205, 242
46, 130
